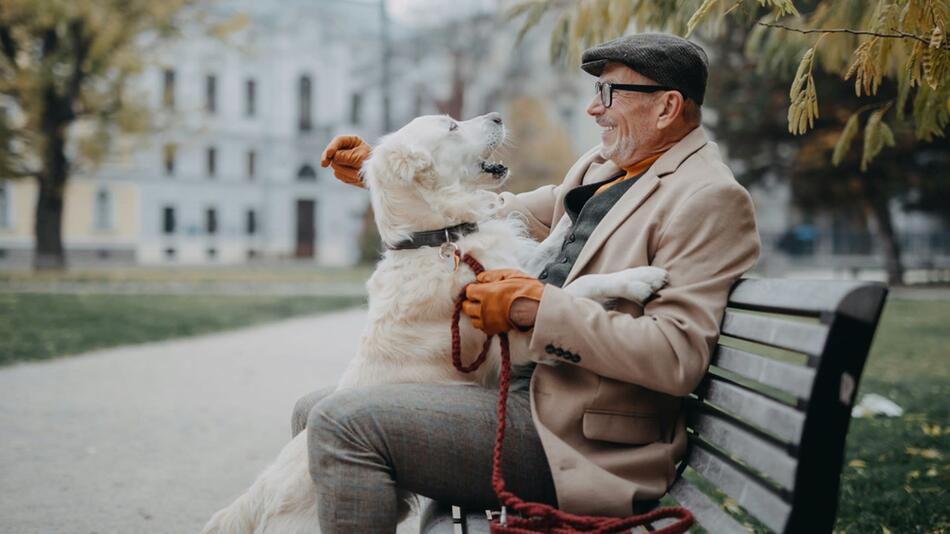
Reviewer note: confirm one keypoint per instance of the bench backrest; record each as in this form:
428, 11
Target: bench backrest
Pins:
767, 426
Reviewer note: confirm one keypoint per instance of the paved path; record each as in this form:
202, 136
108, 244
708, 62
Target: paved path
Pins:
154, 438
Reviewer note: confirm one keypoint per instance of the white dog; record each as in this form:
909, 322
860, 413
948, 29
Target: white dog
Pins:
433, 174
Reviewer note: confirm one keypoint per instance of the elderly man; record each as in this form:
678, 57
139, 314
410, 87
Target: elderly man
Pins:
602, 429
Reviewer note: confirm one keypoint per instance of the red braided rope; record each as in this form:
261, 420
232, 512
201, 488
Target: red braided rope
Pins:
539, 517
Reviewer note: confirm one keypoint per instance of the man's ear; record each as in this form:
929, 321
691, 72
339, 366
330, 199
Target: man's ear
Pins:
672, 102
408, 162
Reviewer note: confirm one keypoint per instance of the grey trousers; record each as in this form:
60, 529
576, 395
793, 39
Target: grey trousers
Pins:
368, 444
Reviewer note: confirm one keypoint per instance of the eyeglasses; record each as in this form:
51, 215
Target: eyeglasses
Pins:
606, 90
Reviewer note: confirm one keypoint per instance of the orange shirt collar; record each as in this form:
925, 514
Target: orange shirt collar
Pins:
642, 165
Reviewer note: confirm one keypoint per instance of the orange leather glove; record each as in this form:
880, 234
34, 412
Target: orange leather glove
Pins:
488, 301
346, 154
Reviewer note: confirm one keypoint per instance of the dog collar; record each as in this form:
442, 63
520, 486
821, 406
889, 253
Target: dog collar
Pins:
435, 238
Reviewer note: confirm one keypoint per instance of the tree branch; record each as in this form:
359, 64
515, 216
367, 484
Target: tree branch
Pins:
896, 35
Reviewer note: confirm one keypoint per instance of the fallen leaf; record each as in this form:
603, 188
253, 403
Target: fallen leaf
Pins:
885, 530
913, 474
932, 472
859, 464
930, 454
931, 430
731, 505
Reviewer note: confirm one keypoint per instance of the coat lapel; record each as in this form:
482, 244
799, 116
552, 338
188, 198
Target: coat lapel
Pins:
635, 196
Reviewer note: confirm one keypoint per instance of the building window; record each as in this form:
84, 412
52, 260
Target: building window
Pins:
212, 253
306, 174
250, 98
251, 226
168, 155
103, 210
211, 221
168, 89
4, 207
170, 254
168, 220
305, 104
251, 164
356, 108
211, 93
212, 161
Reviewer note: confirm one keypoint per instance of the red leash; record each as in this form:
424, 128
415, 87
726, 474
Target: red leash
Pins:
536, 517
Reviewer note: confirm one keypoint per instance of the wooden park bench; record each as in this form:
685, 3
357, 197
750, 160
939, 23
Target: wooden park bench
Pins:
767, 425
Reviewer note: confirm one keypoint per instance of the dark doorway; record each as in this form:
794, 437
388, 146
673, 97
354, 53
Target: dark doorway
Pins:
306, 228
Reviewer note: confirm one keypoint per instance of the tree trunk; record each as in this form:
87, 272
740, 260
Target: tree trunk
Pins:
49, 253
877, 208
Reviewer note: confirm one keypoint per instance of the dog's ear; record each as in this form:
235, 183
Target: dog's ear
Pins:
408, 162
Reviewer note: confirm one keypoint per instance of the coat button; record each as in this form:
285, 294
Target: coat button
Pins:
564, 259
576, 358
571, 238
543, 275
559, 351
549, 349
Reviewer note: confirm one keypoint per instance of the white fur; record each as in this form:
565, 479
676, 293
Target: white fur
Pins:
425, 176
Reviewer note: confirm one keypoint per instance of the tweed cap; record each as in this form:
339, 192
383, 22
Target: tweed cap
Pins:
667, 59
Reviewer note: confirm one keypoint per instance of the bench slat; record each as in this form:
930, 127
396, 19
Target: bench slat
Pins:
808, 297
794, 379
754, 497
707, 513
768, 459
801, 337
783, 422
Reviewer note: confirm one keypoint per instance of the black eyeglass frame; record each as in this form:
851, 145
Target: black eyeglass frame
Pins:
606, 90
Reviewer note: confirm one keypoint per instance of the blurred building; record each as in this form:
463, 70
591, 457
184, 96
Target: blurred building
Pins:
233, 171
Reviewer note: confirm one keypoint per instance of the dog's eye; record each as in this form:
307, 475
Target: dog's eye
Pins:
453, 126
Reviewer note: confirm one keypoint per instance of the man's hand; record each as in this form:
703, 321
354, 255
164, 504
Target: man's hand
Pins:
502, 299
346, 154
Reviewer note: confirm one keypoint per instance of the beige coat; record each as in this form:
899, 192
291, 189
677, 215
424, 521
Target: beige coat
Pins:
611, 423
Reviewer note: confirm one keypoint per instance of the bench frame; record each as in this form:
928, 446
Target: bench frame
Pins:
768, 433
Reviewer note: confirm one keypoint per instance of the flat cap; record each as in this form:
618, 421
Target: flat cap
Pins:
667, 59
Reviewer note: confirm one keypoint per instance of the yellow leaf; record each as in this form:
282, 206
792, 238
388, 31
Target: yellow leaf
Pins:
936, 38
931, 430
930, 454
859, 464
844, 140
932, 472
704, 9
885, 530
914, 474
731, 505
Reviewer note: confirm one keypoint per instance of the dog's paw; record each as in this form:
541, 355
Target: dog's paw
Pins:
654, 277
636, 291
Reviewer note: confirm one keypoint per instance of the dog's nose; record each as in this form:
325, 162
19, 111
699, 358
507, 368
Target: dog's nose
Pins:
494, 116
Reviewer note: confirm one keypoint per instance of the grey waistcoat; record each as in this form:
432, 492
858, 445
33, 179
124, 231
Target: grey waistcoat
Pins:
586, 210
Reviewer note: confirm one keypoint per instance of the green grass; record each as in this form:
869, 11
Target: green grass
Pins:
897, 474
36, 327
291, 273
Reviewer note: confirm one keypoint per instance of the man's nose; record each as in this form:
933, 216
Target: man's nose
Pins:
596, 107
494, 116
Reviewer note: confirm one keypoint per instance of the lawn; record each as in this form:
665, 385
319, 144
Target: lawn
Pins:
897, 476
41, 326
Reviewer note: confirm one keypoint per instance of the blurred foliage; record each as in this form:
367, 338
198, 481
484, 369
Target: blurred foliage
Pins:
868, 41
540, 149
69, 62
66, 68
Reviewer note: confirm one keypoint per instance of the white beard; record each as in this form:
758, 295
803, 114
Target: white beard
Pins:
621, 147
